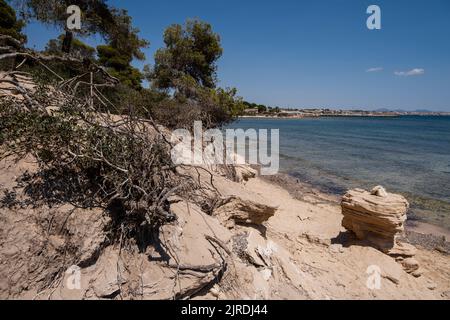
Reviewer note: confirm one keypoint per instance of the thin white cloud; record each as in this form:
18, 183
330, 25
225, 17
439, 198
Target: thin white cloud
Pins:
409, 73
377, 69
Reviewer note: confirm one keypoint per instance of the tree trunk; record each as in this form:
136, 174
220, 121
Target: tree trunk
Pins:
67, 42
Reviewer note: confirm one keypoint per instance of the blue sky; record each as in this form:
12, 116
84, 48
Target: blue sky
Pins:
314, 53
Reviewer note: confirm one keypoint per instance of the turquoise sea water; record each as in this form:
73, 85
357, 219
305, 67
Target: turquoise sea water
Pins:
408, 155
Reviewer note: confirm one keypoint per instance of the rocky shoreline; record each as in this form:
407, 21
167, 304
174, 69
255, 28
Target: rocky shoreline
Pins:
258, 242
423, 234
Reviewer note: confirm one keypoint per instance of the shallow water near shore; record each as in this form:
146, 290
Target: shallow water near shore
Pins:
409, 155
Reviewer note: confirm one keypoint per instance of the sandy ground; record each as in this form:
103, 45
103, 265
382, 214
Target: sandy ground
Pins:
330, 251
301, 252
420, 233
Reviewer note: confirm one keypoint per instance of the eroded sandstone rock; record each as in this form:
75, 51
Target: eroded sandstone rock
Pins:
378, 217
410, 265
237, 210
375, 216
243, 173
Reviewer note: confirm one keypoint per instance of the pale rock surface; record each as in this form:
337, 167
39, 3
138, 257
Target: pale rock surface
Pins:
243, 173
410, 265
379, 191
236, 210
376, 216
194, 257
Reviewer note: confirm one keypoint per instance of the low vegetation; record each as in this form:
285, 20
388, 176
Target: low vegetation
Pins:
98, 135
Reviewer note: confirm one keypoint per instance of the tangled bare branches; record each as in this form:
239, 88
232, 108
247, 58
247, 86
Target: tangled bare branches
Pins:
86, 155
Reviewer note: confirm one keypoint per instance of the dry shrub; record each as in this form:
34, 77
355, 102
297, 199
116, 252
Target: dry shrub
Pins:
91, 158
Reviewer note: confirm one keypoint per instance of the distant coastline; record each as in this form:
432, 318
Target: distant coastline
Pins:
335, 154
323, 113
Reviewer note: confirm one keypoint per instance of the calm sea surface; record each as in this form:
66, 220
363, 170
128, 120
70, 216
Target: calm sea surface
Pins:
408, 155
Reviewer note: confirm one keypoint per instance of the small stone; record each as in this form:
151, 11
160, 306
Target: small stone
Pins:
215, 291
266, 274
336, 248
402, 250
254, 242
417, 273
410, 265
431, 285
393, 279
379, 191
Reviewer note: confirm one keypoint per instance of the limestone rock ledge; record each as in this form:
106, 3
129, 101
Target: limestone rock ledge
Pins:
236, 210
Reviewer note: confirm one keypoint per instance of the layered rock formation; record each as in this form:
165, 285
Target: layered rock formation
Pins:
378, 217
374, 216
236, 210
